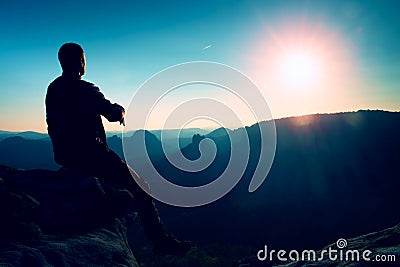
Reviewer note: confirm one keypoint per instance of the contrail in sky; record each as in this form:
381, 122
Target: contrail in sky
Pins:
206, 47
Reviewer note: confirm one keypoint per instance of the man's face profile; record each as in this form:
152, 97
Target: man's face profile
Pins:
83, 65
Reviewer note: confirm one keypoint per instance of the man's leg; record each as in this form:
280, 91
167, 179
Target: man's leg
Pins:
119, 173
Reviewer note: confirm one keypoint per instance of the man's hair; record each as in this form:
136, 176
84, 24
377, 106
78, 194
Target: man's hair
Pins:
70, 55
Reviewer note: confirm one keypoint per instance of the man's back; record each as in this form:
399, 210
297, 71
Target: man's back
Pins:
73, 109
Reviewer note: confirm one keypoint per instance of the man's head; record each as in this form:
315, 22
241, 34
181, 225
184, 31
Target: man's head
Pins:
72, 59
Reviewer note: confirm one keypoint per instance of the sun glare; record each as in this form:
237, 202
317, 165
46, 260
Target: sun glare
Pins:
299, 69
302, 65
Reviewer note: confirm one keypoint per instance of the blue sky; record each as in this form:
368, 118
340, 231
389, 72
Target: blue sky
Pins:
126, 42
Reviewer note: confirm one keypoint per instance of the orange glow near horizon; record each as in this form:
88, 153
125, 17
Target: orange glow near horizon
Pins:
303, 67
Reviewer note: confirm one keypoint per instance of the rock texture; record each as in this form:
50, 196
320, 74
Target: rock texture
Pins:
62, 219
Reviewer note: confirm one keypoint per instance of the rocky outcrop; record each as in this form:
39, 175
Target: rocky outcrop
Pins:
62, 218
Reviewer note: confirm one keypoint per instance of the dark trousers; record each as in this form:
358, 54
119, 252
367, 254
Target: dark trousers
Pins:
106, 165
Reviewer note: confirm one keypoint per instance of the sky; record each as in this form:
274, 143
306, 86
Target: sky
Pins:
304, 56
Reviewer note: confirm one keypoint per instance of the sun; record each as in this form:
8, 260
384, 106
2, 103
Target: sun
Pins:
300, 57
303, 65
298, 69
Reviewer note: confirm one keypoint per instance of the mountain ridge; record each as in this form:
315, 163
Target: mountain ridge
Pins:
200, 131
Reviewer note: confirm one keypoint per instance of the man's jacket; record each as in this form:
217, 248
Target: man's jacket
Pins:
73, 109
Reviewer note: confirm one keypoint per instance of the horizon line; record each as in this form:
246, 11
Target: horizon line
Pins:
214, 128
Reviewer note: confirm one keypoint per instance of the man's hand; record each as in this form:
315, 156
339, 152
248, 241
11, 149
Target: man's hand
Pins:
122, 121
113, 112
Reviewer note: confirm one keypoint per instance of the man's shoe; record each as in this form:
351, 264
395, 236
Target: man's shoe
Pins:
168, 245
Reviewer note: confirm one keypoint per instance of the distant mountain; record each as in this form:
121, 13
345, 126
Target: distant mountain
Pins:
181, 133
220, 132
334, 175
169, 137
18, 152
167, 133
26, 135
134, 143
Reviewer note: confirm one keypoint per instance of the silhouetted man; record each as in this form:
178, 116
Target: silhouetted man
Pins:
73, 109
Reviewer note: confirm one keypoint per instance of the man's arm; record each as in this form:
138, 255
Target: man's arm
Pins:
112, 112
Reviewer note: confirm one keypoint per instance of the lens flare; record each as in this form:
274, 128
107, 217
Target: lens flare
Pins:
299, 70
